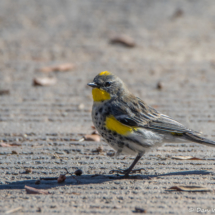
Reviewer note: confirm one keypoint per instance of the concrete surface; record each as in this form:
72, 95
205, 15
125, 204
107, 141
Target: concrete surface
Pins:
175, 46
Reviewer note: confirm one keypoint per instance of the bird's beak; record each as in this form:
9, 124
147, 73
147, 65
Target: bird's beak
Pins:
92, 84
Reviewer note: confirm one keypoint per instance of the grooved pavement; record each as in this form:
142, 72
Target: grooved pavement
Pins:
175, 46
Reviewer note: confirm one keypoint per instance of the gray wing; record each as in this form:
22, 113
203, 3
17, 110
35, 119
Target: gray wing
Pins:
135, 112
165, 123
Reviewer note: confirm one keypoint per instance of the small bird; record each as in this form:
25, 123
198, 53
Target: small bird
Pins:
129, 125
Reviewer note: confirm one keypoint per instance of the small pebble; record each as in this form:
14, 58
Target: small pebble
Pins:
110, 154
37, 182
159, 85
99, 149
39, 210
81, 107
28, 170
139, 210
178, 13
78, 172
14, 152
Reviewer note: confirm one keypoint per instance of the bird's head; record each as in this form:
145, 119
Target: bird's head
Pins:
106, 86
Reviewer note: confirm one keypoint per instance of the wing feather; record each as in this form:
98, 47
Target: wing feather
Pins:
134, 112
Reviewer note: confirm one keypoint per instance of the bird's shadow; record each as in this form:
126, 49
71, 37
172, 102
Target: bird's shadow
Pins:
91, 179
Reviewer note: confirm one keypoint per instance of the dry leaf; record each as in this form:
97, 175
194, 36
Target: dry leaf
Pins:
74, 193
13, 210
124, 40
9, 144
78, 172
14, 144
61, 179
31, 190
5, 145
4, 92
185, 158
93, 127
61, 67
190, 188
92, 137
45, 81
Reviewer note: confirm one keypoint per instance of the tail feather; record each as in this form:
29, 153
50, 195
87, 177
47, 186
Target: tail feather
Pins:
198, 139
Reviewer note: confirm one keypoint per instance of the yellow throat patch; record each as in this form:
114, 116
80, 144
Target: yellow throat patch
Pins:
100, 95
114, 125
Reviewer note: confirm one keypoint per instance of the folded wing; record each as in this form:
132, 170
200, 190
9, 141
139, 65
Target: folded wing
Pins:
136, 113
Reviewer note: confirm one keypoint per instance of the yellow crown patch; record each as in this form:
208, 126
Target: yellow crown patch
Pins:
105, 73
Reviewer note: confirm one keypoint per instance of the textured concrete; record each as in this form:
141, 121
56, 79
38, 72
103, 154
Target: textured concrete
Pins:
175, 46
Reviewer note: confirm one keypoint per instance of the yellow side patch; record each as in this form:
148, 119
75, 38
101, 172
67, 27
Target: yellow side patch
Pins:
176, 134
114, 125
100, 95
105, 73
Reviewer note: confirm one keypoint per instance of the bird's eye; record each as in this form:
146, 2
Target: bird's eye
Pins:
107, 84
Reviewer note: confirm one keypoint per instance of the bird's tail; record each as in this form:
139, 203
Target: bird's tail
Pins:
198, 139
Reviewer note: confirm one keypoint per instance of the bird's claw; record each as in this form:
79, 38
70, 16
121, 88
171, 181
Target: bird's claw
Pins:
124, 171
118, 171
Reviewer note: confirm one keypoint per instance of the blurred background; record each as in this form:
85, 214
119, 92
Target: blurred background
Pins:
163, 50
49, 50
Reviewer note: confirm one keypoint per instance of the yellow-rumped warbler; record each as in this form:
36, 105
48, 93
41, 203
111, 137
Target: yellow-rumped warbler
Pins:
129, 125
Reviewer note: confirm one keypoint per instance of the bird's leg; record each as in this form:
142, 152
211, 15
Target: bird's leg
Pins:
132, 165
126, 172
